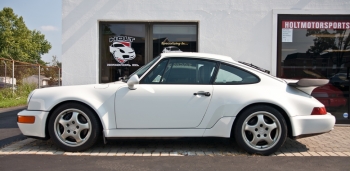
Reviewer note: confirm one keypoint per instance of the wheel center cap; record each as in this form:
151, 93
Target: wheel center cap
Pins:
72, 127
261, 131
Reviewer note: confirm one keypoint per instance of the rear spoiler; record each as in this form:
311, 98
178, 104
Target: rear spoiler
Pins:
308, 85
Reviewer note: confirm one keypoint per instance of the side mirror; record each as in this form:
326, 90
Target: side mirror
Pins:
132, 81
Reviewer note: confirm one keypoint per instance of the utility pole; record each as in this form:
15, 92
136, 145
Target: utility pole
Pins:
5, 74
39, 78
13, 76
59, 76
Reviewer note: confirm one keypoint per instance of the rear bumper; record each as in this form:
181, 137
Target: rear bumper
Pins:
37, 129
312, 124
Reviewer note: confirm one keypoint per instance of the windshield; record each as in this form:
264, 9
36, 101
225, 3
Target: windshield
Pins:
144, 68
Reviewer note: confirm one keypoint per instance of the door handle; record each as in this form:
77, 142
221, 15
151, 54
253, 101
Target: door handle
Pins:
202, 93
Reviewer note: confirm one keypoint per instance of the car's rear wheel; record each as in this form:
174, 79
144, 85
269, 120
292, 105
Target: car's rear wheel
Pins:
73, 127
260, 130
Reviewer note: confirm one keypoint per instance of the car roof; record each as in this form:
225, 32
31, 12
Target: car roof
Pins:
199, 55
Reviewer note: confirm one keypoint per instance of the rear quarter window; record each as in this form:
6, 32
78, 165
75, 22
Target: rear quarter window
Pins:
228, 74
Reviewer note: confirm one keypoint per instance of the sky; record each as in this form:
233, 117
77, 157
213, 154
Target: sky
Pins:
42, 15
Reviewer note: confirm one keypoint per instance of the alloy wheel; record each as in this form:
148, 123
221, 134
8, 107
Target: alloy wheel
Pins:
261, 130
72, 127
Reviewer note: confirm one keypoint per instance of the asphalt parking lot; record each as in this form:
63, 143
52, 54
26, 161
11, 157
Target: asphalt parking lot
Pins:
334, 143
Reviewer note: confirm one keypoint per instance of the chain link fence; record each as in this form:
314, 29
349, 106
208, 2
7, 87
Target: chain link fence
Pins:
15, 73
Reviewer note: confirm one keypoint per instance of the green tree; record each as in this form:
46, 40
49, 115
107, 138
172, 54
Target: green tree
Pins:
18, 42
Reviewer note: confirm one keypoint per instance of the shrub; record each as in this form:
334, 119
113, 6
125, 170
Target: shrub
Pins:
17, 97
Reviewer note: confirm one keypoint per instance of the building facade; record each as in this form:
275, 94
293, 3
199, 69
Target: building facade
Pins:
107, 39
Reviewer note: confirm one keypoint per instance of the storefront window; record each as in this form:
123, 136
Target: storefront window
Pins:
174, 38
125, 47
317, 46
122, 50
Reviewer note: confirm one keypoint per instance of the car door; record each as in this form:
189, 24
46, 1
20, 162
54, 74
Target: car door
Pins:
174, 94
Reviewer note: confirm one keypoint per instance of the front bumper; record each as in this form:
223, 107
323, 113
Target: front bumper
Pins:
36, 129
312, 124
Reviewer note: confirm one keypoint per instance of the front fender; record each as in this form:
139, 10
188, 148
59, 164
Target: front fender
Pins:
100, 100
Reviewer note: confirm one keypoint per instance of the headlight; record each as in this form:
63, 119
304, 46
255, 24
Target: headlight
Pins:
30, 96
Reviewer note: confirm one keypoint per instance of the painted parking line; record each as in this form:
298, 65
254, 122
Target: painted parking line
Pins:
334, 143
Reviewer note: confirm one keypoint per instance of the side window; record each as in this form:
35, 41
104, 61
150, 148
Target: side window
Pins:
232, 75
155, 75
188, 71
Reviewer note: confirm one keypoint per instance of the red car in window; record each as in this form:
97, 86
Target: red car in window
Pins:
330, 96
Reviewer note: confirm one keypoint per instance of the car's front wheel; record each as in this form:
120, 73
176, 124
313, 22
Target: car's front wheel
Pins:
260, 130
73, 127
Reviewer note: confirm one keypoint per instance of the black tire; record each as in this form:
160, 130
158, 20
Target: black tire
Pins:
255, 133
74, 127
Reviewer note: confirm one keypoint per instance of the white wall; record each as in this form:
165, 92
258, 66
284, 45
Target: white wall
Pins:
242, 29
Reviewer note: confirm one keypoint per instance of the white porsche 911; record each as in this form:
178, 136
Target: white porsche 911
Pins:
180, 95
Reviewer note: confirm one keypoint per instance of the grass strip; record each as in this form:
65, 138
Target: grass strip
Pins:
18, 97
4, 103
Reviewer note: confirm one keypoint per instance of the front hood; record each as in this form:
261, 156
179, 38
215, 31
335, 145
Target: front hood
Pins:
45, 98
87, 86
101, 86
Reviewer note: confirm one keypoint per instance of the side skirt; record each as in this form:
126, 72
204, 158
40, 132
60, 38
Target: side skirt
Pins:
222, 128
